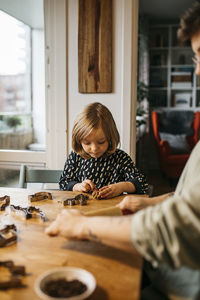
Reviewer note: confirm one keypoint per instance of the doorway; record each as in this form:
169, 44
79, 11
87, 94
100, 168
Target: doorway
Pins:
158, 58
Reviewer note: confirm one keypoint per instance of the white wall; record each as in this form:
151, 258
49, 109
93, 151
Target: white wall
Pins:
56, 82
120, 101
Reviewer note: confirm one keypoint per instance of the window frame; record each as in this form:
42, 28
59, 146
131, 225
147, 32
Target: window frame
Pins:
56, 102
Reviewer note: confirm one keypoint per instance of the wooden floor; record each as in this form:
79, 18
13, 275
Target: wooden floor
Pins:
160, 183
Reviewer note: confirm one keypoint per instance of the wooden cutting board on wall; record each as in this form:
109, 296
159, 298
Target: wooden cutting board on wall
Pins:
95, 46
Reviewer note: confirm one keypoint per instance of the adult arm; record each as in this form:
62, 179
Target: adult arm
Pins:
135, 203
112, 231
168, 233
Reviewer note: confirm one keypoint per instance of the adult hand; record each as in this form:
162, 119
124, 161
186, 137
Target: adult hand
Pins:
133, 203
110, 191
67, 224
86, 186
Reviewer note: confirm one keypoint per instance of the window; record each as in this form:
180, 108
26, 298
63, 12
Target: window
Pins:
48, 105
20, 126
22, 86
15, 84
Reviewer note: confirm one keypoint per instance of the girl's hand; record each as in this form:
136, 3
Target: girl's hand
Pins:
86, 186
110, 191
133, 203
67, 224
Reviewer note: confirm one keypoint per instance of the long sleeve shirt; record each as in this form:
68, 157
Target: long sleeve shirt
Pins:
102, 171
169, 233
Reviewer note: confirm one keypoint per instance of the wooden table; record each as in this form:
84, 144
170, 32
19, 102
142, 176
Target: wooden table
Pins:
118, 274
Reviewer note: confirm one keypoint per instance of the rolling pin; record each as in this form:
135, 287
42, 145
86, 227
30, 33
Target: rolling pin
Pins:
111, 211
108, 211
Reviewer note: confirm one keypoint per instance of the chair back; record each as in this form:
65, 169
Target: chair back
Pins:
28, 175
176, 133
177, 127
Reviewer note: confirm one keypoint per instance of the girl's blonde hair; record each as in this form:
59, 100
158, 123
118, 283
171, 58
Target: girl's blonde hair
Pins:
93, 116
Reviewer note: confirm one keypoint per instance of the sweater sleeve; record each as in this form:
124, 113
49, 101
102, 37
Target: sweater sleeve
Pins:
132, 174
69, 177
168, 233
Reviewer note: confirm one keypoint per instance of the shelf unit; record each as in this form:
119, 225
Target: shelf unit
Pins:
173, 83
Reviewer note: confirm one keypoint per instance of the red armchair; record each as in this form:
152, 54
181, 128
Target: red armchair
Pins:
172, 163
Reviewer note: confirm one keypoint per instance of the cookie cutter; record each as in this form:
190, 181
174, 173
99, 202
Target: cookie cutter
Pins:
40, 196
78, 199
30, 212
8, 235
16, 272
4, 202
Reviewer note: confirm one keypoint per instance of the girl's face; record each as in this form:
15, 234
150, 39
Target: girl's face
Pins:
95, 144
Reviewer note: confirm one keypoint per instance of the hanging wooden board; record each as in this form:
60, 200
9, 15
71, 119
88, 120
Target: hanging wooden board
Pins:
95, 46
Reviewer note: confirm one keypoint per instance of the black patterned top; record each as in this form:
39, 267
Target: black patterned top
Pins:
102, 171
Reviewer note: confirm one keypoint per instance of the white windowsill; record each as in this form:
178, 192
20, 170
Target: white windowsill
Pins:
22, 156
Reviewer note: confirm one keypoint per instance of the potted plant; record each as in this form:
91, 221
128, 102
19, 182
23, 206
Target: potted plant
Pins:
13, 122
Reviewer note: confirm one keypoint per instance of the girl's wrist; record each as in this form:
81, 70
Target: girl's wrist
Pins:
121, 187
127, 187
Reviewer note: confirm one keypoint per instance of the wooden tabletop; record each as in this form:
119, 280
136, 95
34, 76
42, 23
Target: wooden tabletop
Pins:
118, 274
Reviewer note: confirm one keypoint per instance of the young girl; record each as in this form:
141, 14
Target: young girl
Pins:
96, 163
